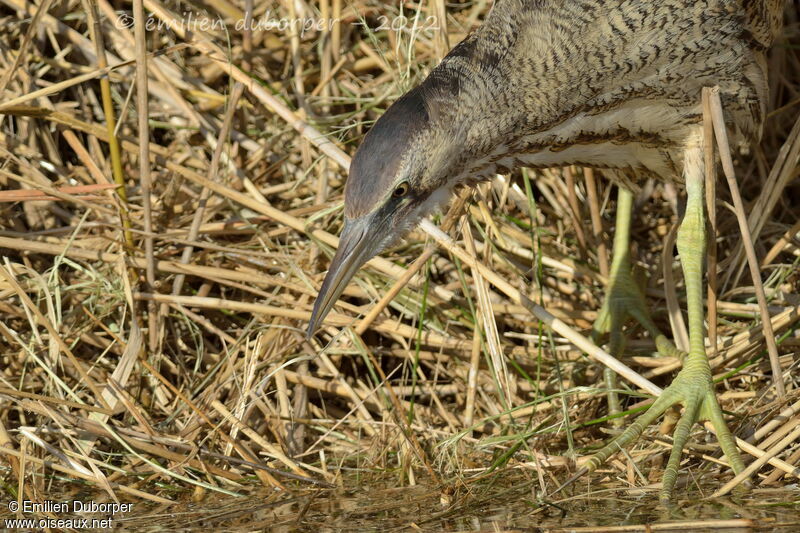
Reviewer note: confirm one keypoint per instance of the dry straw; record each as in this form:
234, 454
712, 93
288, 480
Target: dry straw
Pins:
161, 254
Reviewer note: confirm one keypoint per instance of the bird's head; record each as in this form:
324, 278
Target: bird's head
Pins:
399, 174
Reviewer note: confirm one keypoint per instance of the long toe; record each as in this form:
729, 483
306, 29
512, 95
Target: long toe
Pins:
694, 390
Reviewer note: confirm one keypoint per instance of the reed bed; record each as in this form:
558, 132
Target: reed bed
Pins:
160, 252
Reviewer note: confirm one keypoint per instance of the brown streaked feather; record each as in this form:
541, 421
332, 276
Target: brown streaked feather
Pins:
764, 19
602, 83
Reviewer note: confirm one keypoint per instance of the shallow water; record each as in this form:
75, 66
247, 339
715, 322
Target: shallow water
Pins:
503, 504
503, 501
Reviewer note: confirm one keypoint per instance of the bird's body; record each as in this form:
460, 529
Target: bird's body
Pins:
599, 83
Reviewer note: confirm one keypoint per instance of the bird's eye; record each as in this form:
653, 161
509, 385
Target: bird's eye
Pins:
401, 190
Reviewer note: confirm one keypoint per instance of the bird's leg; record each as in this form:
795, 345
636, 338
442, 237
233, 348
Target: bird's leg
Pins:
624, 299
692, 387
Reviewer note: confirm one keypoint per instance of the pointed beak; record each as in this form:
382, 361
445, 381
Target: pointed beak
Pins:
361, 239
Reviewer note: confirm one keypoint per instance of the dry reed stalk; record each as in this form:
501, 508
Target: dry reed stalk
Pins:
710, 171
747, 241
231, 232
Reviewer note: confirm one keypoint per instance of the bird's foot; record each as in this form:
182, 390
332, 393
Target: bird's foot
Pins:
624, 299
694, 390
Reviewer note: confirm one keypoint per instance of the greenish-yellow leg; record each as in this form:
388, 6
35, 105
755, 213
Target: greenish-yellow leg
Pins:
692, 387
624, 299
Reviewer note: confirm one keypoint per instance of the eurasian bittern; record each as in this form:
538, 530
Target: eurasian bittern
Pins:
599, 83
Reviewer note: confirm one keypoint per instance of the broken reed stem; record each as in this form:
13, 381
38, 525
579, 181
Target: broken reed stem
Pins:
574, 209
586, 345
96, 32
213, 170
143, 107
711, 209
597, 222
752, 261
680, 334
758, 463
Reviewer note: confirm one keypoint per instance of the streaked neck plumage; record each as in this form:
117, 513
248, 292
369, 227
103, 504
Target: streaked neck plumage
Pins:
595, 82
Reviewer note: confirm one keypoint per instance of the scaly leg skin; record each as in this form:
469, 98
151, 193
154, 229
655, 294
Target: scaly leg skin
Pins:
624, 299
692, 387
